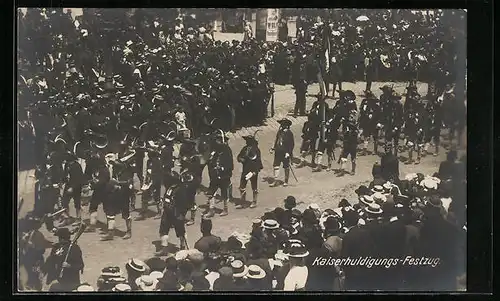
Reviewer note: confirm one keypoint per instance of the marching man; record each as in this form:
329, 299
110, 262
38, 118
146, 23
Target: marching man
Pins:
220, 169
251, 159
351, 134
283, 150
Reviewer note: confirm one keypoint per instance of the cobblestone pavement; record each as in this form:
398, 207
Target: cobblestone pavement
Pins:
324, 188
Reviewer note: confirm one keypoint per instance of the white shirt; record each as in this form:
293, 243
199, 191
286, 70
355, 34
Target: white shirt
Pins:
296, 278
211, 277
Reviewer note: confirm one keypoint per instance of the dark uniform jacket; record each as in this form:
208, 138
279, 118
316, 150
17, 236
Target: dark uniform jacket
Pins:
370, 113
284, 142
74, 174
221, 166
390, 167
250, 165
53, 265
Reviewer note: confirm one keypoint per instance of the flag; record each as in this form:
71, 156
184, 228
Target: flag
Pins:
324, 60
323, 69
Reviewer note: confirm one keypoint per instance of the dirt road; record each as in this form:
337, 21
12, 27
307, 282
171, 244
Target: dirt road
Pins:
323, 188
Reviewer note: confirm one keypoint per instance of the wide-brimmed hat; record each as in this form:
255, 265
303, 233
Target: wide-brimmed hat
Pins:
348, 94
256, 272
136, 265
270, 224
122, 287
366, 200
332, 224
285, 122
146, 283
297, 250
378, 188
386, 88
239, 269
363, 190
374, 209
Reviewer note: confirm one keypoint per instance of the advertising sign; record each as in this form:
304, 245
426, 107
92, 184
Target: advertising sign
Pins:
272, 24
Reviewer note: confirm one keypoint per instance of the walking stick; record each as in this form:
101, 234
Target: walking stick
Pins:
293, 173
272, 102
77, 236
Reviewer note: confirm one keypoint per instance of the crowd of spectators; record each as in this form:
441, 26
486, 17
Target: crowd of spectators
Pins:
407, 234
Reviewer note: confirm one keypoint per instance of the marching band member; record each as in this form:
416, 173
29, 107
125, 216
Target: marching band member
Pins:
283, 151
220, 166
369, 118
351, 134
250, 158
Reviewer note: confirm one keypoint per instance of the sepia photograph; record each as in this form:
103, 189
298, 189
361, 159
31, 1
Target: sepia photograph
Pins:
241, 150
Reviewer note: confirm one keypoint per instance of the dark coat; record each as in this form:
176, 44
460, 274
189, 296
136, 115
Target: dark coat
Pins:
250, 165
284, 142
70, 276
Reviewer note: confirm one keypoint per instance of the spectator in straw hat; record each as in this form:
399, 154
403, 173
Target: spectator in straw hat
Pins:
257, 279
296, 278
240, 270
146, 283
84, 288
135, 268
122, 287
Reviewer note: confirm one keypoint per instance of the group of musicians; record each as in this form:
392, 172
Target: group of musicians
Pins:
110, 176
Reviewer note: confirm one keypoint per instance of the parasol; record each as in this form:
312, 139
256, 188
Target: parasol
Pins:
362, 18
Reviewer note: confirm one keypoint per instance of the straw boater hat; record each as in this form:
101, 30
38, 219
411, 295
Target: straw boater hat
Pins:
270, 224
136, 265
239, 269
122, 287
146, 283
156, 275
429, 183
366, 200
374, 209
256, 272
297, 250
378, 188
379, 198
85, 288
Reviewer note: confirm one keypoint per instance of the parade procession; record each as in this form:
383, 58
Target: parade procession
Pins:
158, 152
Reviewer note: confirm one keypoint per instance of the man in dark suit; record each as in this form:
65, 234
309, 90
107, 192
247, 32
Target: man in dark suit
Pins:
389, 164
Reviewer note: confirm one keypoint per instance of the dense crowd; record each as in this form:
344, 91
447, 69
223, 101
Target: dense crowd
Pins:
396, 234
384, 45
124, 71
134, 78
154, 64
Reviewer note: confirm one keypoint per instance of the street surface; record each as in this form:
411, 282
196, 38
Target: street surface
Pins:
323, 188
